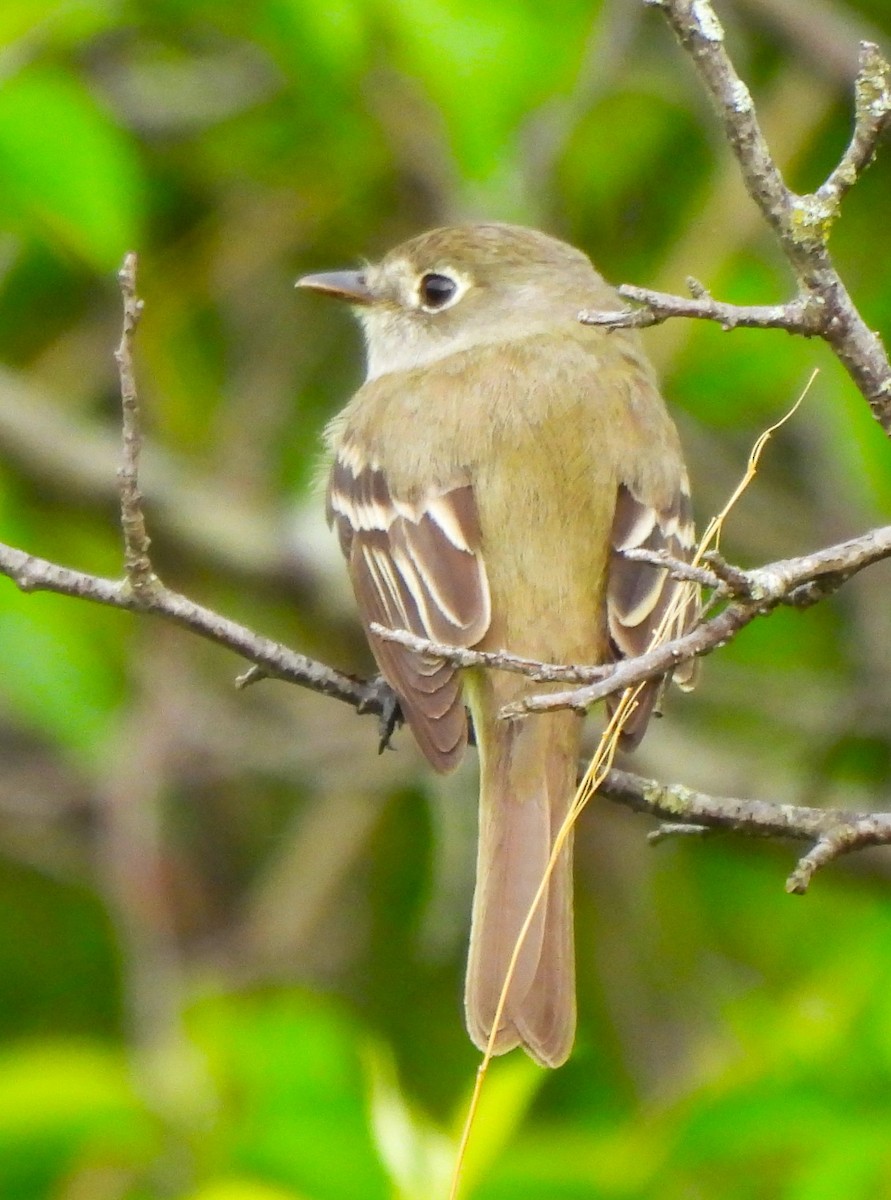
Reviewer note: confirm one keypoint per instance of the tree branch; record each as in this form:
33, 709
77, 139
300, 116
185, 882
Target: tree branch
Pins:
831, 832
801, 223
798, 316
493, 660
37, 575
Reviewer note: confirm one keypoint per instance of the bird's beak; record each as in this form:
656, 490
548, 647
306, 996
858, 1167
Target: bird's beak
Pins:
344, 285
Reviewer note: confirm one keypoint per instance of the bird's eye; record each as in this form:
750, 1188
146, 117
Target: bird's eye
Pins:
435, 291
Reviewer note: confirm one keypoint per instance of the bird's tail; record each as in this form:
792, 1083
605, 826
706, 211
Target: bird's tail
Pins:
528, 780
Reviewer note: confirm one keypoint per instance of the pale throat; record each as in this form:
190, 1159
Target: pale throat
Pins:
397, 345
389, 352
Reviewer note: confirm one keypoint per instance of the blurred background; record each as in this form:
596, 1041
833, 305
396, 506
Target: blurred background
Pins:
232, 936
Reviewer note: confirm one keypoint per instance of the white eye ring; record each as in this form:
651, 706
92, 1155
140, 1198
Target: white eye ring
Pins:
437, 291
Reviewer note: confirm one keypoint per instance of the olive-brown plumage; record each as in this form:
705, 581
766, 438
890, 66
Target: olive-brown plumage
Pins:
486, 479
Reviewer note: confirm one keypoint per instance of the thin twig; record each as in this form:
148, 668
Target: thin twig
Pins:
843, 836
872, 108
677, 829
735, 580
678, 568
798, 316
33, 574
832, 832
494, 660
138, 565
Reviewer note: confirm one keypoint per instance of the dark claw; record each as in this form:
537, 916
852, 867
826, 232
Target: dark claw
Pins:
390, 720
381, 698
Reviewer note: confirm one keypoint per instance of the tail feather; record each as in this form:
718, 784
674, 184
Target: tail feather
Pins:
547, 1021
528, 772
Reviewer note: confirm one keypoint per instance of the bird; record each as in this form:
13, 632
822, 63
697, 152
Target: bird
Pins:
485, 481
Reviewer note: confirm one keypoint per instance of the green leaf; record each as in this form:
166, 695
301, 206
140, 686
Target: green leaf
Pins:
487, 66
56, 674
60, 1102
68, 174
297, 1116
49, 22
243, 1189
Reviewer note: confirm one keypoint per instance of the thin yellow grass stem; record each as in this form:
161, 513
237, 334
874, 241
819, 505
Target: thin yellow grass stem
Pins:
712, 533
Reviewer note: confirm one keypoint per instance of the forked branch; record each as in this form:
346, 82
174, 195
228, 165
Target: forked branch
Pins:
801, 223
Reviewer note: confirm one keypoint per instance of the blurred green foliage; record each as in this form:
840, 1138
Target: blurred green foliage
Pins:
232, 939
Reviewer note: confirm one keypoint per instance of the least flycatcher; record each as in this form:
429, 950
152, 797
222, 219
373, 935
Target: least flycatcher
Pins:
486, 479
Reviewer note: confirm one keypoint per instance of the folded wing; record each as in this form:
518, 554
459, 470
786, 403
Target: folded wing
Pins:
415, 565
643, 601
